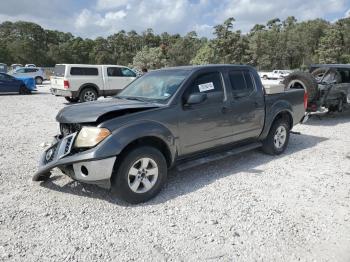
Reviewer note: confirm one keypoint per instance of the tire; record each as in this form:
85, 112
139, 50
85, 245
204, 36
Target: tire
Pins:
23, 90
87, 95
71, 99
302, 80
128, 180
319, 73
340, 106
265, 77
271, 144
38, 80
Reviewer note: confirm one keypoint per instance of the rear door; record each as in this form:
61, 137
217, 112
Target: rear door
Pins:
208, 124
248, 104
118, 78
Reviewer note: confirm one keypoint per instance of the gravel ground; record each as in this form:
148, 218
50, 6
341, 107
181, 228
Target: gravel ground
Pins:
251, 207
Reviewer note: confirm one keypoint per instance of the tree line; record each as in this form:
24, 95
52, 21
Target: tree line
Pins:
286, 44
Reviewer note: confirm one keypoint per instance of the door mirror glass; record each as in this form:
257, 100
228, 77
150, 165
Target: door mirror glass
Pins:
196, 98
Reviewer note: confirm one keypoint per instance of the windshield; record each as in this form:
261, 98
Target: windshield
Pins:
157, 85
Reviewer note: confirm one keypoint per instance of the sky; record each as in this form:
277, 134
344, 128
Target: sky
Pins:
93, 18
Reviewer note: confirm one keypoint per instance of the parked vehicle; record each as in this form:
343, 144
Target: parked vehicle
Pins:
328, 86
10, 84
275, 74
86, 83
13, 67
37, 73
30, 65
170, 117
3, 68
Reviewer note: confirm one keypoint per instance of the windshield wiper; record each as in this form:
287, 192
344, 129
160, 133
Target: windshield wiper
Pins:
132, 98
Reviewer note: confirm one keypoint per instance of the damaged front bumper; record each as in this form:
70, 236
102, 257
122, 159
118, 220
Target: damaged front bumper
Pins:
82, 166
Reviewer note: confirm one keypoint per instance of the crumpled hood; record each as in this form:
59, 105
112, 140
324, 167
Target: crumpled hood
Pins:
90, 112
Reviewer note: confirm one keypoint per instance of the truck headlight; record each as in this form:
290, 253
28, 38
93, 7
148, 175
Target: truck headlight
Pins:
90, 136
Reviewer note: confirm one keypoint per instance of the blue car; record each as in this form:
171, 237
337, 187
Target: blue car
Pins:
10, 84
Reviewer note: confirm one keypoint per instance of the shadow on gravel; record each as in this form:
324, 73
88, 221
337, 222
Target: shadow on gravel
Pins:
191, 180
31, 94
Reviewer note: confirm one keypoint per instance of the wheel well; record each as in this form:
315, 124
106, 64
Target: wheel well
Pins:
152, 142
88, 86
285, 115
39, 77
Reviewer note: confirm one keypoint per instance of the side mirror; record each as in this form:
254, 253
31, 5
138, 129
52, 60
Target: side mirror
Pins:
196, 98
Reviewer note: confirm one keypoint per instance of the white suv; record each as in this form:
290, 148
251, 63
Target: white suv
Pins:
87, 82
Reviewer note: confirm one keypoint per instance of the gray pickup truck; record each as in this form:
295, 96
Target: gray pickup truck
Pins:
180, 117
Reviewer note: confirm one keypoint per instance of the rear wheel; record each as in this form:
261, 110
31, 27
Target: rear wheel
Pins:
88, 95
140, 176
39, 80
340, 106
277, 140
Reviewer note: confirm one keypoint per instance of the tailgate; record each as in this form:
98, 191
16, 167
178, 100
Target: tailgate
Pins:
57, 82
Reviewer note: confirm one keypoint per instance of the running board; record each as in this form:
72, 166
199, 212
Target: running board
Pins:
217, 156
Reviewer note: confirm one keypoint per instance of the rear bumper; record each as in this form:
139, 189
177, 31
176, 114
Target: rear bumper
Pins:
84, 166
60, 92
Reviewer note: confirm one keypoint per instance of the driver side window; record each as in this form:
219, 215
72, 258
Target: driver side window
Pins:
208, 83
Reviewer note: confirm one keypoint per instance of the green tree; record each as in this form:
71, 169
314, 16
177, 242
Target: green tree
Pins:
150, 58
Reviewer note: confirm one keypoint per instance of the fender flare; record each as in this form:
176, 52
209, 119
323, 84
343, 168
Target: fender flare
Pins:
99, 93
126, 135
276, 109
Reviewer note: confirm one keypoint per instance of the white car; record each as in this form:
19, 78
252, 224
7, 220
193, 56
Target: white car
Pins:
275, 74
36, 72
87, 82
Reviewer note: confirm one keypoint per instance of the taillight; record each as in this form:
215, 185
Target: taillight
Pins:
66, 84
305, 100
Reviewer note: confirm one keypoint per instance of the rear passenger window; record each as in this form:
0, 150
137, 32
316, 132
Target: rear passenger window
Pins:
84, 71
114, 72
241, 83
30, 70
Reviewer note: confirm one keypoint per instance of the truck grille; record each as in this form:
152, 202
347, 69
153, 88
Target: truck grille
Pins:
68, 129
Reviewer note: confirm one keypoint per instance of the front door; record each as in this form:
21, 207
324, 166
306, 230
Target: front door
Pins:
208, 124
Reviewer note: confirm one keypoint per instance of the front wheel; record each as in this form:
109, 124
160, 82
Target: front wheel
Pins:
23, 90
277, 140
140, 176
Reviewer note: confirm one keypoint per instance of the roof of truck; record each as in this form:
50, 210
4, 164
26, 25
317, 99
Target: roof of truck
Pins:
331, 65
89, 65
194, 67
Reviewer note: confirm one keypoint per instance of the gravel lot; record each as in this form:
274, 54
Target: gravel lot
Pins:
251, 207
